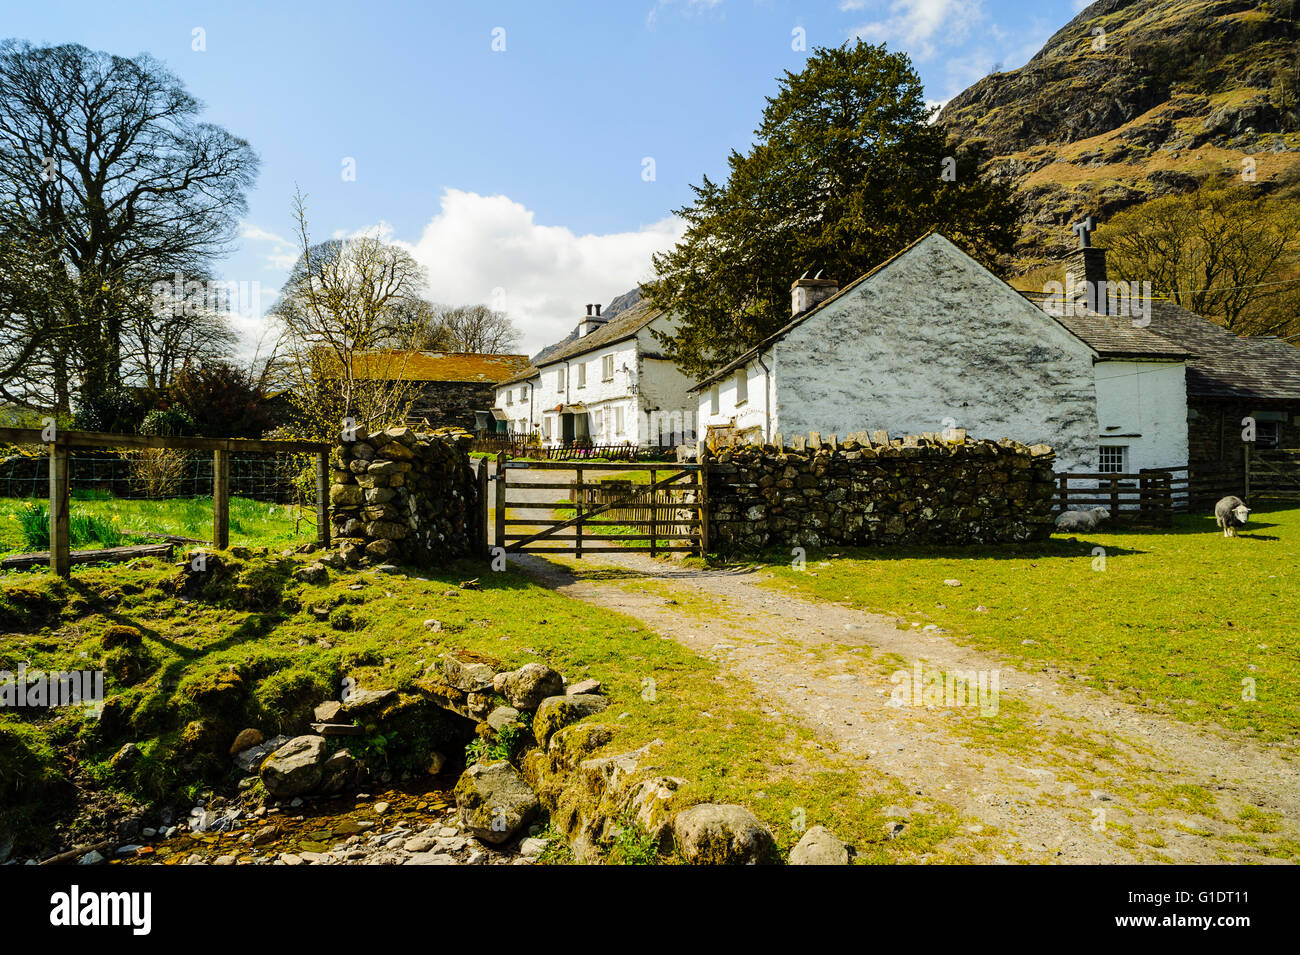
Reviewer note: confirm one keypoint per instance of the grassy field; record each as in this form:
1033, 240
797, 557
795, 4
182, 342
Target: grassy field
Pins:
1182, 620
266, 667
100, 520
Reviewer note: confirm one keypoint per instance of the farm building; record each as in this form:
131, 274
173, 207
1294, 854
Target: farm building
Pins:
453, 389
608, 384
929, 340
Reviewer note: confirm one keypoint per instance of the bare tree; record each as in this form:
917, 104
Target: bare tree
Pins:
477, 328
1223, 252
343, 346
108, 183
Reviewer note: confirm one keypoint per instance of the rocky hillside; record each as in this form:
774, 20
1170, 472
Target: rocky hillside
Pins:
1134, 99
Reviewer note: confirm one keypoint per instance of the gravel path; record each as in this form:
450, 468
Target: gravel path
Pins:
1062, 773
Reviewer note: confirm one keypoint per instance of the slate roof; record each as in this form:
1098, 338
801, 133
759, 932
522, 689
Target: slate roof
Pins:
1114, 336
1225, 365
617, 329
440, 366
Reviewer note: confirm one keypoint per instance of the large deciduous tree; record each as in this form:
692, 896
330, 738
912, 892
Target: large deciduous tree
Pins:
108, 184
846, 170
1224, 251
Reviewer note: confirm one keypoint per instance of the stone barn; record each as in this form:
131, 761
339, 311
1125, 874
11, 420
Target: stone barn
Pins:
453, 389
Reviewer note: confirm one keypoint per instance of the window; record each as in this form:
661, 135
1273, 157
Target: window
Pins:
523, 394
1268, 434
618, 420
742, 386
607, 368
510, 396
1112, 458
559, 378
597, 422
546, 427
582, 374
713, 400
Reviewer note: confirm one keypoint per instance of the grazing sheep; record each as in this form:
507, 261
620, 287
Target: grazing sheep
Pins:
1081, 520
1231, 513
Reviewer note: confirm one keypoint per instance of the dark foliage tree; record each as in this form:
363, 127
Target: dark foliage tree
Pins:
847, 169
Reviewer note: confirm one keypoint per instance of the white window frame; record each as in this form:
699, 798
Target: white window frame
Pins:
1111, 467
582, 374
607, 368
510, 396
742, 387
597, 423
715, 400
559, 378
620, 421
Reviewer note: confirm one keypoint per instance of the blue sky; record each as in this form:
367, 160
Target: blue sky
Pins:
537, 177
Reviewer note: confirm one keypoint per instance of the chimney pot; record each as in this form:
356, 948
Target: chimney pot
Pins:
598, 310
588, 308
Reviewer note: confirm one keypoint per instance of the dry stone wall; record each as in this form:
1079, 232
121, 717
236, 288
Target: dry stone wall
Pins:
870, 490
402, 496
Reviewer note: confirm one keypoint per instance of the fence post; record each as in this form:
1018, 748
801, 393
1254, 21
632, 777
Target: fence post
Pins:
482, 531
702, 480
502, 458
220, 500
577, 510
60, 532
1114, 499
1246, 478
322, 498
1063, 480
654, 514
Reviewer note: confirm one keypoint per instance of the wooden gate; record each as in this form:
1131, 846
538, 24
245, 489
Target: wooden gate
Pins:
590, 508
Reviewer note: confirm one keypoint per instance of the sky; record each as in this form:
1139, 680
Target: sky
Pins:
529, 155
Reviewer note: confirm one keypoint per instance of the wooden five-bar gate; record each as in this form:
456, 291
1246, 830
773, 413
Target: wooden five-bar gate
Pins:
578, 513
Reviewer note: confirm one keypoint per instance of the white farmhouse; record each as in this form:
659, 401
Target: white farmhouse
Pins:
930, 340
608, 385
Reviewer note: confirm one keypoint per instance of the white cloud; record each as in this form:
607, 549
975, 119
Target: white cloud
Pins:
918, 26
490, 250
687, 8
283, 253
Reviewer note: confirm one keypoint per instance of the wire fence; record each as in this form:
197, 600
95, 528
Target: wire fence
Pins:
277, 478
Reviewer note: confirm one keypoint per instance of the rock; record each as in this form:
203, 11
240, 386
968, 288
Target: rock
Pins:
388, 569
712, 834
893, 829
295, 768
313, 573
360, 702
819, 846
533, 847
245, 739
94, 857
569, 746
952, 582
494, 803
650, 805
380, 808
437, 762
556, 712
467, 675
502, 716
338, 773
583, 688
125, 757
328, 712
526, 687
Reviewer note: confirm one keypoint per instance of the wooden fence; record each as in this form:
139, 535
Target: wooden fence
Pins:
1273, 473
637, 505
1150, 496
61, 442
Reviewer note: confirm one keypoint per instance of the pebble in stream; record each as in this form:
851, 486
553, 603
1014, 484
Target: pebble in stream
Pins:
397, 827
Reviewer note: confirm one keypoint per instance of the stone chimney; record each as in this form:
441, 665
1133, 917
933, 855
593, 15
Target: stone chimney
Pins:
590, 322
809, 289
1085, 271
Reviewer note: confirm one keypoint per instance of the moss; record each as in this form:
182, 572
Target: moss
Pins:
30, 765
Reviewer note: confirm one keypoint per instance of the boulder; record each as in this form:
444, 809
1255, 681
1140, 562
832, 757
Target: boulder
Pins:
338, 772
502, 716
494, 803
583, 687
526, 687
295, 768
313, 573
649, 804
360, 702
820, 846
722, 834
467, 675
557, 712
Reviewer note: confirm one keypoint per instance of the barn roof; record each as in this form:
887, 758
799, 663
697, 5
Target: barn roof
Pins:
439, 366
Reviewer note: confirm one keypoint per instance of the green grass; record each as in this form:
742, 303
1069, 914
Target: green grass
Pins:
100, 520
266, 666
1176, 621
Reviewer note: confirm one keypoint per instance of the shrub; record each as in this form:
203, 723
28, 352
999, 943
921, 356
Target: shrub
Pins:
167, 421
222, 401
34, 520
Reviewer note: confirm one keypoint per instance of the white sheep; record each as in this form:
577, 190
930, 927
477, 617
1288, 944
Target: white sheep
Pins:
1231, 513
1081, 520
